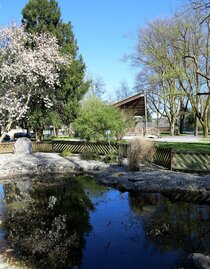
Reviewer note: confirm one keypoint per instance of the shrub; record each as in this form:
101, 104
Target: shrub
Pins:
95, 117
141, 150
66, 153
110, 158
89, 154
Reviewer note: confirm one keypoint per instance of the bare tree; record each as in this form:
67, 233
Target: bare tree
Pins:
97, 86
193, 48
161, 67
123, 91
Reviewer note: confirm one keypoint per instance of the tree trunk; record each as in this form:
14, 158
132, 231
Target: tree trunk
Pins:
181, 124
205, 128
172, 128
28, 130
6, 129
38, 135
196, 126
56, 132
69, 132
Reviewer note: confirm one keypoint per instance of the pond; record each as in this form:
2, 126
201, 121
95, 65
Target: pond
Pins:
76, 223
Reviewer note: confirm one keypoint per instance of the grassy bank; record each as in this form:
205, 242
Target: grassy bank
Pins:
195, 147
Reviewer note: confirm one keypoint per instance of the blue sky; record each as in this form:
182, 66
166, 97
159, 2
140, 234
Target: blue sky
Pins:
105, 30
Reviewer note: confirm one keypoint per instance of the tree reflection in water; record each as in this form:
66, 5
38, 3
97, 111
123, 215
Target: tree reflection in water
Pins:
171, 225
46, 225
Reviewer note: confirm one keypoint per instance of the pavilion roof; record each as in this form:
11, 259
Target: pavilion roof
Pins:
133, 103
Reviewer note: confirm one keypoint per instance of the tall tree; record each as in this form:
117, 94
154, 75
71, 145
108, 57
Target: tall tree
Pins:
45, 16
193, 48
175, 54
159, 69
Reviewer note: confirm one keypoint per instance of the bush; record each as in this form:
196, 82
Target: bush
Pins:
66, 153
89, 154
141, 150
95, 117
110, 158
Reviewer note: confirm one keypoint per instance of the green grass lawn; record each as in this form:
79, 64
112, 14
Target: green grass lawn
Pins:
203, 146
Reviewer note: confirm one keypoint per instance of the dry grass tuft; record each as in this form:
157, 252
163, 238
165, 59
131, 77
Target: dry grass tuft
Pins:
141, 151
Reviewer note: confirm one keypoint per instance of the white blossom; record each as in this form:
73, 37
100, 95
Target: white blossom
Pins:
29, 64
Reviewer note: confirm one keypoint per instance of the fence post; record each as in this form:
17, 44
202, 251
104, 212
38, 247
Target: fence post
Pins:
120, 157
171, 158
53, 146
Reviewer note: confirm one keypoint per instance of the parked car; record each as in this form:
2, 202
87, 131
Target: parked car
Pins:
31, 135
6, 138
20, 134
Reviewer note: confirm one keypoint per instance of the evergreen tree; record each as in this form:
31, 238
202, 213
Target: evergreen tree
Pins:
45, 16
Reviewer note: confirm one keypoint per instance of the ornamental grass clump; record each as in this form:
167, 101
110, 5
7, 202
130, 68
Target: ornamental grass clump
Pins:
141, 151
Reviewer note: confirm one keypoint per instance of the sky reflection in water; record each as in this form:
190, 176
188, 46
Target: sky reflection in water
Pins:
79, 223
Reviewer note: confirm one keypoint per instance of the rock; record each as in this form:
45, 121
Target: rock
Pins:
200, 261
23, 145
9, 250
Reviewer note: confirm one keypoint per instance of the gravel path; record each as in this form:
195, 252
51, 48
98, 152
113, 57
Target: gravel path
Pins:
149, 178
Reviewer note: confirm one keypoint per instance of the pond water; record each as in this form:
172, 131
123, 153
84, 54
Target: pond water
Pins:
77, 223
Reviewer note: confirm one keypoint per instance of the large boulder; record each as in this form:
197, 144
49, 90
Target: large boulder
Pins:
200, 261
23, 145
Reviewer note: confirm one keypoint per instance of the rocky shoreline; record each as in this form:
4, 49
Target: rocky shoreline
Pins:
150, 178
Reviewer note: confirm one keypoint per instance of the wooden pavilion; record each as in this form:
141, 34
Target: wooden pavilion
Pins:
134, 104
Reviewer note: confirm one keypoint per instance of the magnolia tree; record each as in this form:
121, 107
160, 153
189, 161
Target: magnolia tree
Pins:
29, 64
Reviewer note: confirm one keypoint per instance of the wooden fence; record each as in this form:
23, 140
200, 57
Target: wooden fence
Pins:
72, 146
6, 147
180, 160
171, 159
190, 161
163, 156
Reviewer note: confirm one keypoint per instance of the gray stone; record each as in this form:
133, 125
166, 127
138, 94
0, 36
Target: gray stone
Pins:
200, 261
23, 145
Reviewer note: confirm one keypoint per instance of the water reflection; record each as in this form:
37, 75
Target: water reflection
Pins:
47, 224
172, 225
77, 222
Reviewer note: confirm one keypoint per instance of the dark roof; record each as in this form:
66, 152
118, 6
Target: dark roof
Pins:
128, 99
133, 103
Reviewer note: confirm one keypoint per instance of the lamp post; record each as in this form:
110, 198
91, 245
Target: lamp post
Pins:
108, 138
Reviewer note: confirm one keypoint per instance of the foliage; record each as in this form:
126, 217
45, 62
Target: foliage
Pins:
92, 187
141, 150
173, 220
25, 73
45, 16
89, 154
66, 153
173, 59
111, 157
95, 117
52, 235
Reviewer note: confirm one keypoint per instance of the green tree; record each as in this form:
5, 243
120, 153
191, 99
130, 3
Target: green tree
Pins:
45, 16
95, 117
